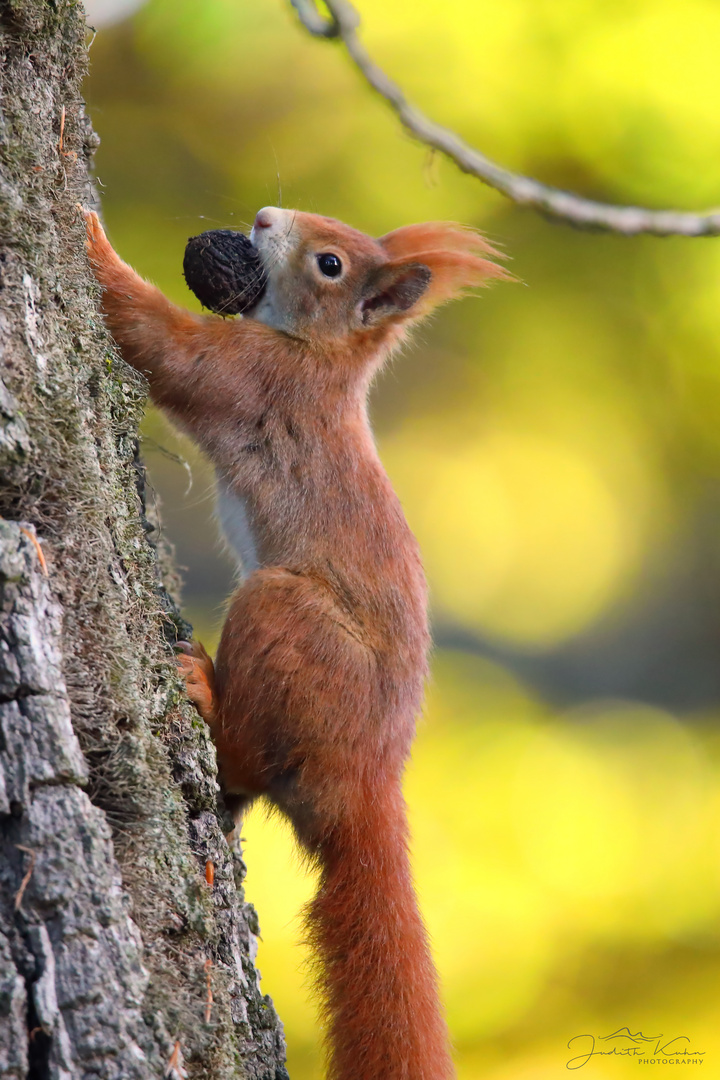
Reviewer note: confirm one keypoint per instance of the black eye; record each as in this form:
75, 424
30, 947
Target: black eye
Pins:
329, 265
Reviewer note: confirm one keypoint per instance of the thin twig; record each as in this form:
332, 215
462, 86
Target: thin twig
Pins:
26, 877
316, 23
174, 1069
64, 153
563, 205
36, 544
177, 458
208, 990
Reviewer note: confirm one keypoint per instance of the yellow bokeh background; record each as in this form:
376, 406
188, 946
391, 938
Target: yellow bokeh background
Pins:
556, 446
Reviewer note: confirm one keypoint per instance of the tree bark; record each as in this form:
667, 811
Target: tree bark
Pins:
118, 958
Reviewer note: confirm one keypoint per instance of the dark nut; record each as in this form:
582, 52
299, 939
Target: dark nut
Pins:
224, 271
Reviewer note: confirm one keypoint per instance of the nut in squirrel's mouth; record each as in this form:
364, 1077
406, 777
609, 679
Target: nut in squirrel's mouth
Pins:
225, 271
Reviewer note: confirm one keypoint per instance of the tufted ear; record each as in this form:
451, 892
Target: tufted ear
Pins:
393, 290
456, 256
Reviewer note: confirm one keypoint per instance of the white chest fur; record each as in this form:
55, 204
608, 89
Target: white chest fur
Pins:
238, 529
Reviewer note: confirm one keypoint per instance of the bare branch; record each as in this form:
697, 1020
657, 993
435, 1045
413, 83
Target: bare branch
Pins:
564, 205
316, 23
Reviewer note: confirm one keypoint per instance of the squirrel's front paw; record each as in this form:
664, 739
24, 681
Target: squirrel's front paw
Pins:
98, 246
197, 669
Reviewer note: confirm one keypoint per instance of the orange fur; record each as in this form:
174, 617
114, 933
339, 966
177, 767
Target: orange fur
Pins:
460, 258
319, 674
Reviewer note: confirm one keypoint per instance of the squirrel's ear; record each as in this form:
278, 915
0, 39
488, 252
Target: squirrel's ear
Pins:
393, 290
456, 256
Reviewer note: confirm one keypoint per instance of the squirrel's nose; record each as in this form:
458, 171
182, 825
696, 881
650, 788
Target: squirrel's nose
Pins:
266, 217
270, 225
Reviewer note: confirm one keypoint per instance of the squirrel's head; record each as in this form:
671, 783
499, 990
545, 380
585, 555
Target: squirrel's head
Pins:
328, 283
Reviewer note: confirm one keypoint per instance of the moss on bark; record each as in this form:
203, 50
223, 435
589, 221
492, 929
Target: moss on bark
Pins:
109, 775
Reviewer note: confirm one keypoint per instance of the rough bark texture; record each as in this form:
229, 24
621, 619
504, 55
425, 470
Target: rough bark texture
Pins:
110, 935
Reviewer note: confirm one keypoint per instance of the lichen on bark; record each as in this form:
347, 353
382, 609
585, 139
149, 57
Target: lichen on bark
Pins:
110, 935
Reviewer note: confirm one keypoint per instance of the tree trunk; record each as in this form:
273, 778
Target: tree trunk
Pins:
119, 955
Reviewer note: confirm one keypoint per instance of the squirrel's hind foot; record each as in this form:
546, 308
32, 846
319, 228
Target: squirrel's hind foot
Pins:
197, 669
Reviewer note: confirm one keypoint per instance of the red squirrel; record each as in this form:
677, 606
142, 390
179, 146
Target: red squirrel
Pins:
313, 697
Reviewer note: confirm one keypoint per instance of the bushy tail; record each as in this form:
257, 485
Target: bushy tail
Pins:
384, 1020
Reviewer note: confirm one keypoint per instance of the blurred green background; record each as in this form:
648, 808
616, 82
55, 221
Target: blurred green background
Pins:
556, 446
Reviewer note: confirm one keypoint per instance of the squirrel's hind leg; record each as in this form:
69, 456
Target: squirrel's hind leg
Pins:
198, 670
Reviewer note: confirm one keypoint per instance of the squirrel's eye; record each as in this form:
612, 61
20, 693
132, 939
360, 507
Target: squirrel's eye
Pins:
329, 265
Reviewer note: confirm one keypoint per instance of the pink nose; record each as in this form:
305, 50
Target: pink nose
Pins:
263, 219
